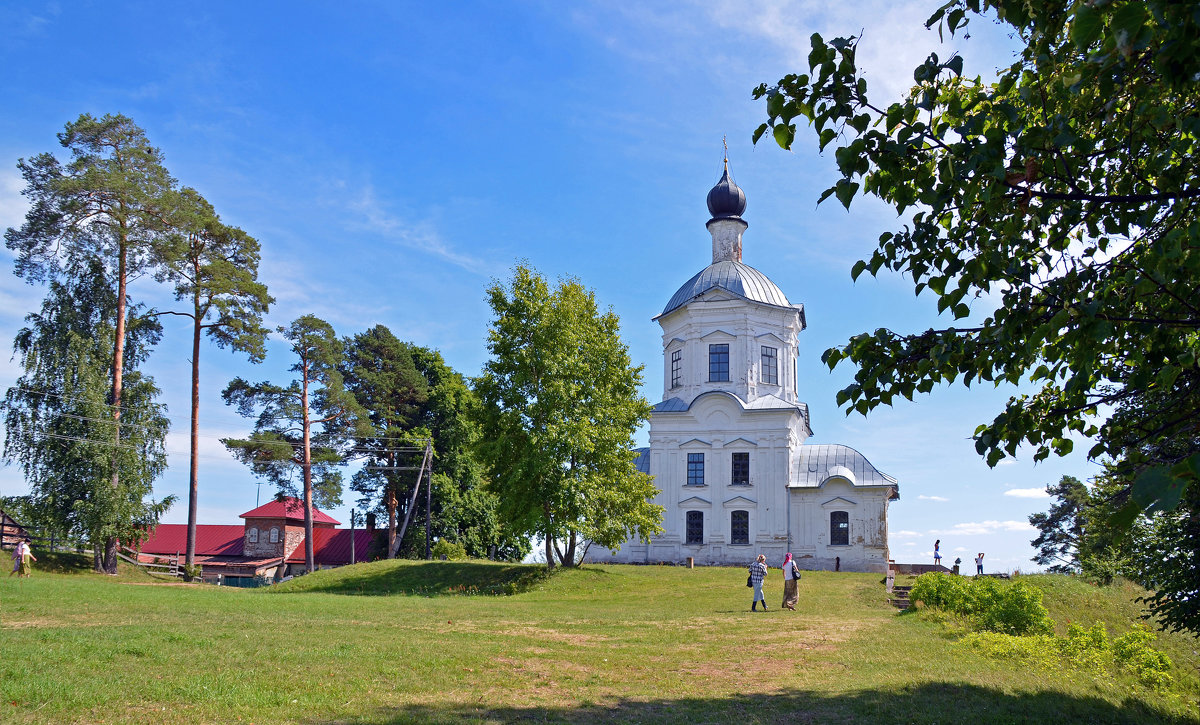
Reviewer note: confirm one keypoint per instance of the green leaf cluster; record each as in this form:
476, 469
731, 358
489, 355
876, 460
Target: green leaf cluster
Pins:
1064, 194
558, 407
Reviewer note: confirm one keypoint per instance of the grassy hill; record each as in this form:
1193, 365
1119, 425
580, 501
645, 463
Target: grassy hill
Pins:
401, 642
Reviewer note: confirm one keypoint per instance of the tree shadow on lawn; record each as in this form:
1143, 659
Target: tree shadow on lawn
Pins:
929, 703
426, 578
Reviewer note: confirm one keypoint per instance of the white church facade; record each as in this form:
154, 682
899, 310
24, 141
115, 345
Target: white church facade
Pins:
727, 443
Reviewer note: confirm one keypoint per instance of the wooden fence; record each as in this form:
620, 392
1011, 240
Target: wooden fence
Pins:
11, 533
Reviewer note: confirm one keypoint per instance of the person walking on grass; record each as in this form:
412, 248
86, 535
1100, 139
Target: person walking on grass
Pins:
16, 557
791, 577
979, 564
26, 558
758, 572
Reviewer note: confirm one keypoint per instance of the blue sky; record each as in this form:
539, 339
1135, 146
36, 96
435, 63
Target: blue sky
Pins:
394, 158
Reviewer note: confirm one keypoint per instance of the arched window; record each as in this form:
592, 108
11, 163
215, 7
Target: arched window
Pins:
839, 528
695, 527
252, 535
274, 534
739, 527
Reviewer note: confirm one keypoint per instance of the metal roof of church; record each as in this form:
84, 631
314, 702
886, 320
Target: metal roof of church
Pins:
818, 463
733, 277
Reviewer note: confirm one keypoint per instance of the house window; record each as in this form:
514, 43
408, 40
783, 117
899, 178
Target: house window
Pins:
274, 534
252, 535
770, 365
741, 469
739, 527
676, 368
695, 527
839, 528
695, 469
718, 363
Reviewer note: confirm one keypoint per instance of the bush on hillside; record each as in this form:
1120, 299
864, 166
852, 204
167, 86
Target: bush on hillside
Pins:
448, 550
991, 606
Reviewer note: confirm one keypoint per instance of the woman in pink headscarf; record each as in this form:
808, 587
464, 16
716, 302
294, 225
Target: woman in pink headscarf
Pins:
791, 574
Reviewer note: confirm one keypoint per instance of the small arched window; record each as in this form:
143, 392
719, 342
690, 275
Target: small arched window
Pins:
695, 527
739, 527
252, 535
839, 528
274, 534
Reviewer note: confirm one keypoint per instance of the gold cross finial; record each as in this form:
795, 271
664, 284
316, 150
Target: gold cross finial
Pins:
725, 143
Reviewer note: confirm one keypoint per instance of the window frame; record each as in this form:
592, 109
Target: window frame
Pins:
695, 469
744, 458
676, 368
694, 523
252, 535
839, 527
718, 362
734, 526
769, 365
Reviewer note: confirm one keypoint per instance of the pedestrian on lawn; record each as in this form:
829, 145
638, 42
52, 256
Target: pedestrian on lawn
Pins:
17, 554
979, 564
758, 572
27, 557
791, 578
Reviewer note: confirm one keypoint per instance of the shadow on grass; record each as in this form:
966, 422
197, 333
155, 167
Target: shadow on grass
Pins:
931, 703
419, 578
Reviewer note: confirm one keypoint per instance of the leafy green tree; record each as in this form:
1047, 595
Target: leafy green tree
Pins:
559, 405
214, 267
303, 426
110, 203
1067, 190
59, 422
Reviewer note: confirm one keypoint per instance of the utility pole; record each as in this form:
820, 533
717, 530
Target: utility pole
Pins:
425, 470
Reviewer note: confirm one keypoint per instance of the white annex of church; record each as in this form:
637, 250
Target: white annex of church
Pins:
727, 442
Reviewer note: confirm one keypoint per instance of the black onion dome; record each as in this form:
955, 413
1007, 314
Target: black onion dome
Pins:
726, 199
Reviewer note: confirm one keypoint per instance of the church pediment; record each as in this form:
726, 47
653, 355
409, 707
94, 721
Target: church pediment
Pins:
740, 443
718, 334
695, 443
766, 336
838, 502
694, 501
739, 502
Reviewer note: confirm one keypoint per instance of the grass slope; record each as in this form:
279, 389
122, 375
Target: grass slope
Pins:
603, 644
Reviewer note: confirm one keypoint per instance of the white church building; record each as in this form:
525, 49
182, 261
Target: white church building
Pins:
727, 442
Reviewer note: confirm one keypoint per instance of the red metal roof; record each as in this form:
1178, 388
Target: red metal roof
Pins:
211, 539
289, 508
331, 547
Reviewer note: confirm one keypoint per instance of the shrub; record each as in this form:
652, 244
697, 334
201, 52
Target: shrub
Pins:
991, 606
1135, 654
448, 550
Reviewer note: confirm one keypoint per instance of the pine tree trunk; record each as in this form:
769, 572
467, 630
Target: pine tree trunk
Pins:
194, 474
110, 545
309, 563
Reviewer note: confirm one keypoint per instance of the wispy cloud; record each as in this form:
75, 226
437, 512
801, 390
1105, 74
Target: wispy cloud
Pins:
982, 528
1026, 492
12, 205
923, 497
375, 217
902, 534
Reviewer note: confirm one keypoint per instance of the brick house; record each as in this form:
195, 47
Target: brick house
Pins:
269, 544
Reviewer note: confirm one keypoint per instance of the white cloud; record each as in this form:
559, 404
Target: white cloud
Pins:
1026, 492
12, 205
983, 528
923, 497
904, 534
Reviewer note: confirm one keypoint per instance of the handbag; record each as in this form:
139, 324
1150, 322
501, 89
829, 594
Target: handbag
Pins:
795, 572
749, 583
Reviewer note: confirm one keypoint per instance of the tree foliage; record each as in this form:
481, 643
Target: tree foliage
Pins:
108, 205
559, 405
59, 424
301, 428
1062, 528
1067, 190
214, 267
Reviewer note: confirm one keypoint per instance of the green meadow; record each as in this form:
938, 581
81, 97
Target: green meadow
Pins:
418, 642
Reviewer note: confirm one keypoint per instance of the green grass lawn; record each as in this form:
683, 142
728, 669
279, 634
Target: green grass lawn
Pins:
400, 642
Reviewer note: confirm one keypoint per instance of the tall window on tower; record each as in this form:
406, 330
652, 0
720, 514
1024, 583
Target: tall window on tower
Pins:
839, 528
770, 365
695, 469
695, 527
718, 363
676, 368
741, 469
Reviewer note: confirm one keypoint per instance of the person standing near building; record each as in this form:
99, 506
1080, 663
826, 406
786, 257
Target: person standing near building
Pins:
17, 556
791, 577
758, 572
937, 552
979, 564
